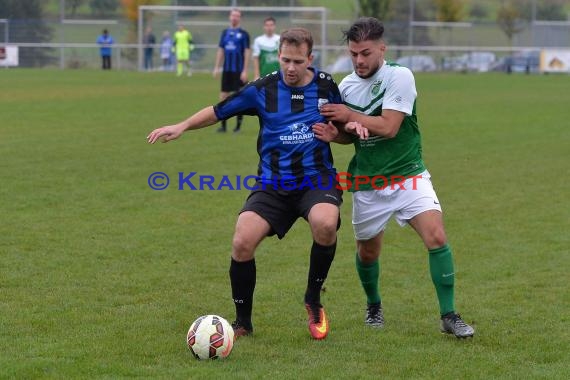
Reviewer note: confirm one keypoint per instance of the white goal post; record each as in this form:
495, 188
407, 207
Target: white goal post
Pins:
200, 18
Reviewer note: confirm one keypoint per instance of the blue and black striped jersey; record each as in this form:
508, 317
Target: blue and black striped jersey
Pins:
287, 147
234, 41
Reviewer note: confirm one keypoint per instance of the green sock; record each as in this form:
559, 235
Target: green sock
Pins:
369, 278
443, 277
179, 69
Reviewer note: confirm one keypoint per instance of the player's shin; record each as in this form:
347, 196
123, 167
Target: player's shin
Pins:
238, 122
443, 277
320, 263
369, 274
242, 278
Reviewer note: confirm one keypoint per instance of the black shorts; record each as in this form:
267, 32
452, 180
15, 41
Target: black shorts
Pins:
231, 81
281, 208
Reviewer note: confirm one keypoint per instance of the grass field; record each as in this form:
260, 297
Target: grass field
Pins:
100, 276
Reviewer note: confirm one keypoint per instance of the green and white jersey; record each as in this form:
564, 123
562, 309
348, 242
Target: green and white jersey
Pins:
266, 48
392, 87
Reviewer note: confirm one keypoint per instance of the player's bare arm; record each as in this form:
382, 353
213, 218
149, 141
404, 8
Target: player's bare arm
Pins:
256, 69
243, 75
386, 125
201, 119
219, 58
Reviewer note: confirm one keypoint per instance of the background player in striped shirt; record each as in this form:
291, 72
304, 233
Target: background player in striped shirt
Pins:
381, 97
296, 177
233, 52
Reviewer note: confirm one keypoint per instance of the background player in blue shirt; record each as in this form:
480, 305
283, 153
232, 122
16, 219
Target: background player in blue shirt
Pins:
233, 50
105, 40
296, 173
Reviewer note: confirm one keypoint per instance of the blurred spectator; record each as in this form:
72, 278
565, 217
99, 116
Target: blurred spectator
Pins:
148, 40
166, 51
105, 41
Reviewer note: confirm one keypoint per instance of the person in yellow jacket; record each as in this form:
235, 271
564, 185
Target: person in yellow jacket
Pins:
182, 47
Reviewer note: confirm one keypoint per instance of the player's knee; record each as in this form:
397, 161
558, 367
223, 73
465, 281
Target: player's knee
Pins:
324, 231
242, 248
368, 254
436, 238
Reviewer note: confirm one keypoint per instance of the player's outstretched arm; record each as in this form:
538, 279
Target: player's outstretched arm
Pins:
386, 125
201, 119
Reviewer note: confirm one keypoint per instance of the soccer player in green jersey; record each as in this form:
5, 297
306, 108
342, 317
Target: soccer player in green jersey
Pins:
183, 46
265, 50
387, 175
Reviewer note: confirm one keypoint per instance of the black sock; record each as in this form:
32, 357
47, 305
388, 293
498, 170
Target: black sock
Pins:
239, 121
321, 260
242, 278
223, 124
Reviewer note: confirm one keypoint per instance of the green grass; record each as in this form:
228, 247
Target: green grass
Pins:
100, 277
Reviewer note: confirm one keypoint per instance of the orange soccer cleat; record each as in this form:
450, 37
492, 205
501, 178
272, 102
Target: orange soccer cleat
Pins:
318, 323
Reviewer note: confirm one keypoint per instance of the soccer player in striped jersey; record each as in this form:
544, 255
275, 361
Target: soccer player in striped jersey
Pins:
234, 51
296, 177
392, 178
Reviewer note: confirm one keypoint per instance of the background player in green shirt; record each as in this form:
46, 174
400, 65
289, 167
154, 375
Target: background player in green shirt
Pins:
183, 46
265, 50
387, 174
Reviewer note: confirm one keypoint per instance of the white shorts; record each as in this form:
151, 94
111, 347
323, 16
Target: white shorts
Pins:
372, 209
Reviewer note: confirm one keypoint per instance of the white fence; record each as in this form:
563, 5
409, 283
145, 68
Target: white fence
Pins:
438, 58
72, 42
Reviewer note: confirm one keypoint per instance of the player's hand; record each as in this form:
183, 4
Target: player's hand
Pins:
326, 132
243, 77
336, 112
357, 129
168, 133
215, 72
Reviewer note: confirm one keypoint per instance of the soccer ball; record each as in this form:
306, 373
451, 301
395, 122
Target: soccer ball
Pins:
210, 337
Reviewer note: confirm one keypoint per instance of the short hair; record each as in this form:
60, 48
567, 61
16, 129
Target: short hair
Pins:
105, 31
235, 10
270, 18
297, 37
364, 29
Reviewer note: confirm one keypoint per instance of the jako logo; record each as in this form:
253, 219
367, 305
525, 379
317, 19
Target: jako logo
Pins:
298, 96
